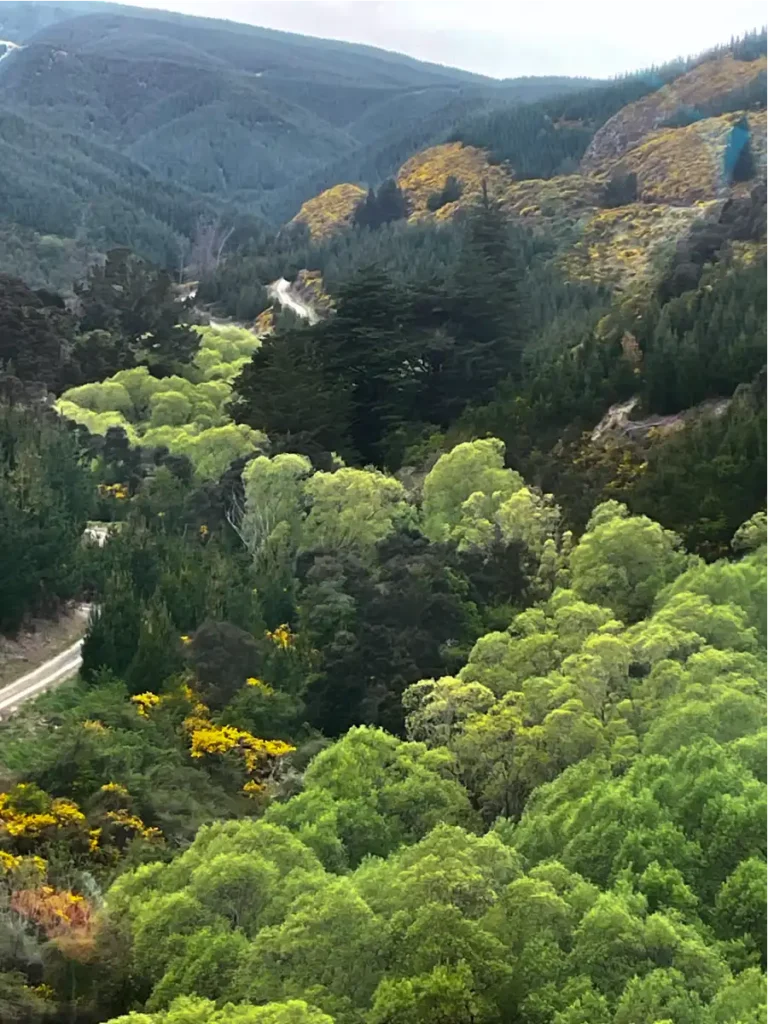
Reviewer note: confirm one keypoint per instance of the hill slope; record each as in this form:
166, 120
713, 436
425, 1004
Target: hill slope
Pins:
650, 170
223, 109
231, 112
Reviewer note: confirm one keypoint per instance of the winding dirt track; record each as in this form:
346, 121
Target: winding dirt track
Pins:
286, 296
55, 671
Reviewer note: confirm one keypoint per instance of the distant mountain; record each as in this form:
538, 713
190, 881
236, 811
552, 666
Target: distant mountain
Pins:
164, 116
231, 110
21, 21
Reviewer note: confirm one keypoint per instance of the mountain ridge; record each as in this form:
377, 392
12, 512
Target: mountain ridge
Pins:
234, 114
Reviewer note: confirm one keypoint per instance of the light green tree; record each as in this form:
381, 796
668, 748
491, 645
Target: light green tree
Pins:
353, 509
169, 409
529, 518
444, 994
375, 792
306, 957
194, 1010
110, 396
623, 561
742, 1000
741, 905
450, 866
140, 385
436, 708
275, 505
464, 490
751, 535
662, 995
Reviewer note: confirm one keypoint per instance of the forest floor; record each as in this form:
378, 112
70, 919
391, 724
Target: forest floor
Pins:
39, 641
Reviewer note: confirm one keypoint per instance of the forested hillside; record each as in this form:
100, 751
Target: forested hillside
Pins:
424, 537
122, 126
20, 20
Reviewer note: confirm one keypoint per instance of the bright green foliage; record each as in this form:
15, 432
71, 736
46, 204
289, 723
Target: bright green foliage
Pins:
274, 489
740, 905
471, 501
288, 508
233, 880
270, 525
211, 450
187, 416
565, 823
463, 492
623, 561
111, 396
505, 753
751, 535
450, 925
369, 793
224, 350
741, 1001
192, 1010
420, 911
436, 708
302, 952
169, 409
529, 518
536, 642
739, 586
443, 994
96, 422
622, 879
352, 508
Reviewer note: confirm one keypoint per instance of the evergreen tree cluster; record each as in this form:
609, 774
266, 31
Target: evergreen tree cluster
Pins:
381, 207
393, 362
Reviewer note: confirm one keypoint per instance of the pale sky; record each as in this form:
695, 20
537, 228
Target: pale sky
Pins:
597, 38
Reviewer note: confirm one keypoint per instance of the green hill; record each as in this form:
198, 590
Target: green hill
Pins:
126, 125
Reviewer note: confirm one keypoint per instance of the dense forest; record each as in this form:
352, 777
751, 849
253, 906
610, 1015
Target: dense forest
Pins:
122, 126
424, 675
353, 746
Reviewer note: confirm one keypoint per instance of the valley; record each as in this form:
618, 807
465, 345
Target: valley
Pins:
383, 547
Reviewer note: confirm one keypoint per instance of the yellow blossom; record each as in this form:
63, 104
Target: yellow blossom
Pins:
8, 862
282, 636
330, 210
60, 814
93, 725
114, 787
118, 491
130, 821
220, 739
259, 685
214, 739
253, 789
145, 701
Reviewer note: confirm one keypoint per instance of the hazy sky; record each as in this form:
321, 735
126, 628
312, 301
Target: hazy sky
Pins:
509, 37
